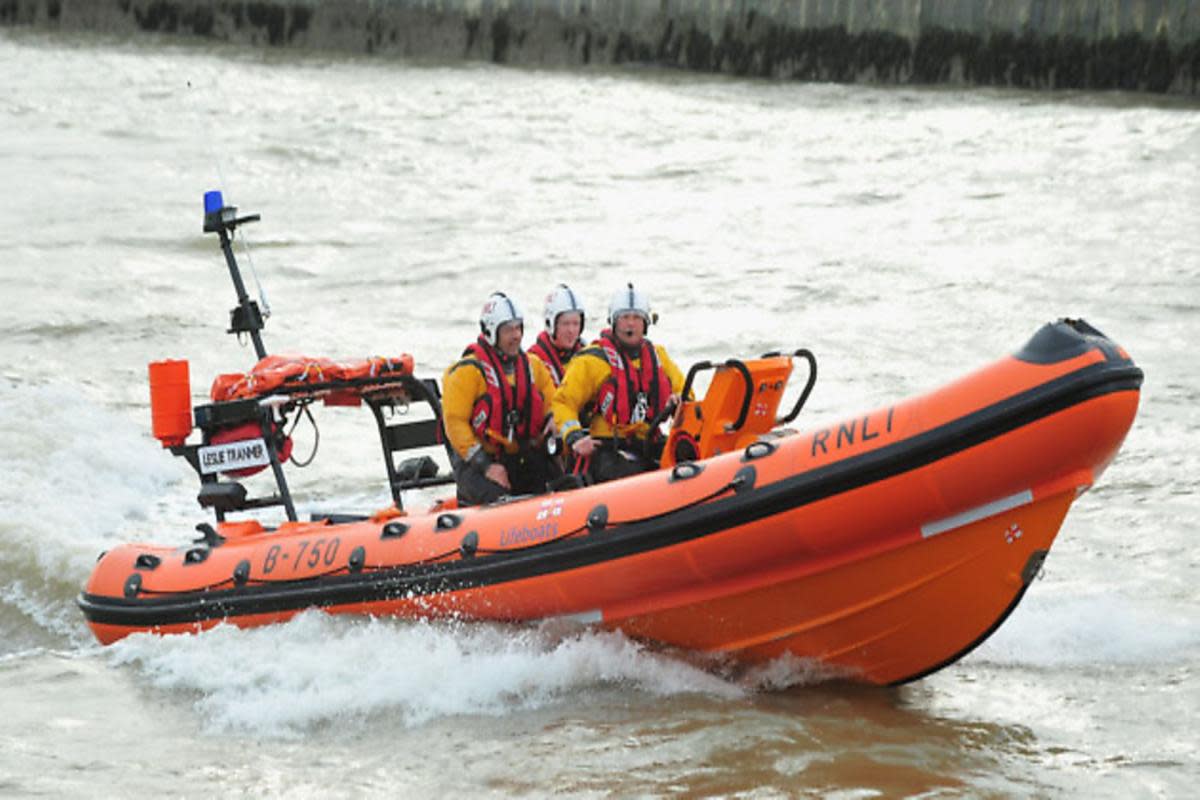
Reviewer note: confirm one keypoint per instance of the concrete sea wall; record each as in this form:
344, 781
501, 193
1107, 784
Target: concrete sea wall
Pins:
1141, 45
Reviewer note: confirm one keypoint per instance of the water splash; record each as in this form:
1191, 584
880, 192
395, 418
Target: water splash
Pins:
283, 680
1099, 629
80, 477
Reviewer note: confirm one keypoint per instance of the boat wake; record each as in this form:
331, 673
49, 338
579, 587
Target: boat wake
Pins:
283, 680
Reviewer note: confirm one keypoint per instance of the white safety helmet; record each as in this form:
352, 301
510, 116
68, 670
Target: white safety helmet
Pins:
628, 300
560, 301
498, 309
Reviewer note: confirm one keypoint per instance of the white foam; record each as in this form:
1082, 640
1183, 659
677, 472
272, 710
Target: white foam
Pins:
1055, 630
283, 679
788, 672
79, 478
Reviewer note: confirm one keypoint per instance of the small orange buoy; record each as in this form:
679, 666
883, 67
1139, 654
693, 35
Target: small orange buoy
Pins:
170, 401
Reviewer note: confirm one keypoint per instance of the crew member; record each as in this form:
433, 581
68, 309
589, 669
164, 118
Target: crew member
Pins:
625, 381
561, 340
495, 408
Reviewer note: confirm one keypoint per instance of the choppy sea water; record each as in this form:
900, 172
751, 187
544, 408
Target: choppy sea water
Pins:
905, 235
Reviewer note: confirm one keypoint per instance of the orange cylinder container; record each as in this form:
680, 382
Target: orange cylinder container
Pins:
170, 401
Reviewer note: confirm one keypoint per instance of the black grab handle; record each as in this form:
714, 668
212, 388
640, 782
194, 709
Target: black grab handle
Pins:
698, 367
808, 387
747, 381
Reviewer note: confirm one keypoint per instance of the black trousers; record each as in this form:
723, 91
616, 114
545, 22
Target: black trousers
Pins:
529, 472
610, 462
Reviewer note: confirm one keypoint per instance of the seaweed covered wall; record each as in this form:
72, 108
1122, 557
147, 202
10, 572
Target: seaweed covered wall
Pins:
1143, 45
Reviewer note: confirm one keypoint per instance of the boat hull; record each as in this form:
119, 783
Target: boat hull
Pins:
882, 547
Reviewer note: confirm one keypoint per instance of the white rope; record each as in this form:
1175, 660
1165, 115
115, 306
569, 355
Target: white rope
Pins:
262, 293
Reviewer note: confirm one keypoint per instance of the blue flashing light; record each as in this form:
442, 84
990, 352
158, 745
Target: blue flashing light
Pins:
213, 202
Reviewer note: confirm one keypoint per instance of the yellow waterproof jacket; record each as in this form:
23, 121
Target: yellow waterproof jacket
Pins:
462, 386
586, 373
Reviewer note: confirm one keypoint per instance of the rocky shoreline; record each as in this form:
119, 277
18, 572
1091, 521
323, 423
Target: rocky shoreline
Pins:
1135, 45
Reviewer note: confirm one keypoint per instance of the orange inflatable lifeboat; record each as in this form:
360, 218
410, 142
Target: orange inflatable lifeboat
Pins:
884, 546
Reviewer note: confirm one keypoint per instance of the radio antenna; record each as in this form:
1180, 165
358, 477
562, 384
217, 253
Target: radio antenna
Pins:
223, 220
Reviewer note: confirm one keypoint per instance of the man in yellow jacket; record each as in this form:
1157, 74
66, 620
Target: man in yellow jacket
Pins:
624, 381
495, 407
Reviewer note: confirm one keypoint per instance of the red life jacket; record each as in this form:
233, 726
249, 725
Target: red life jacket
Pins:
513, 413
631, 396
545, 349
